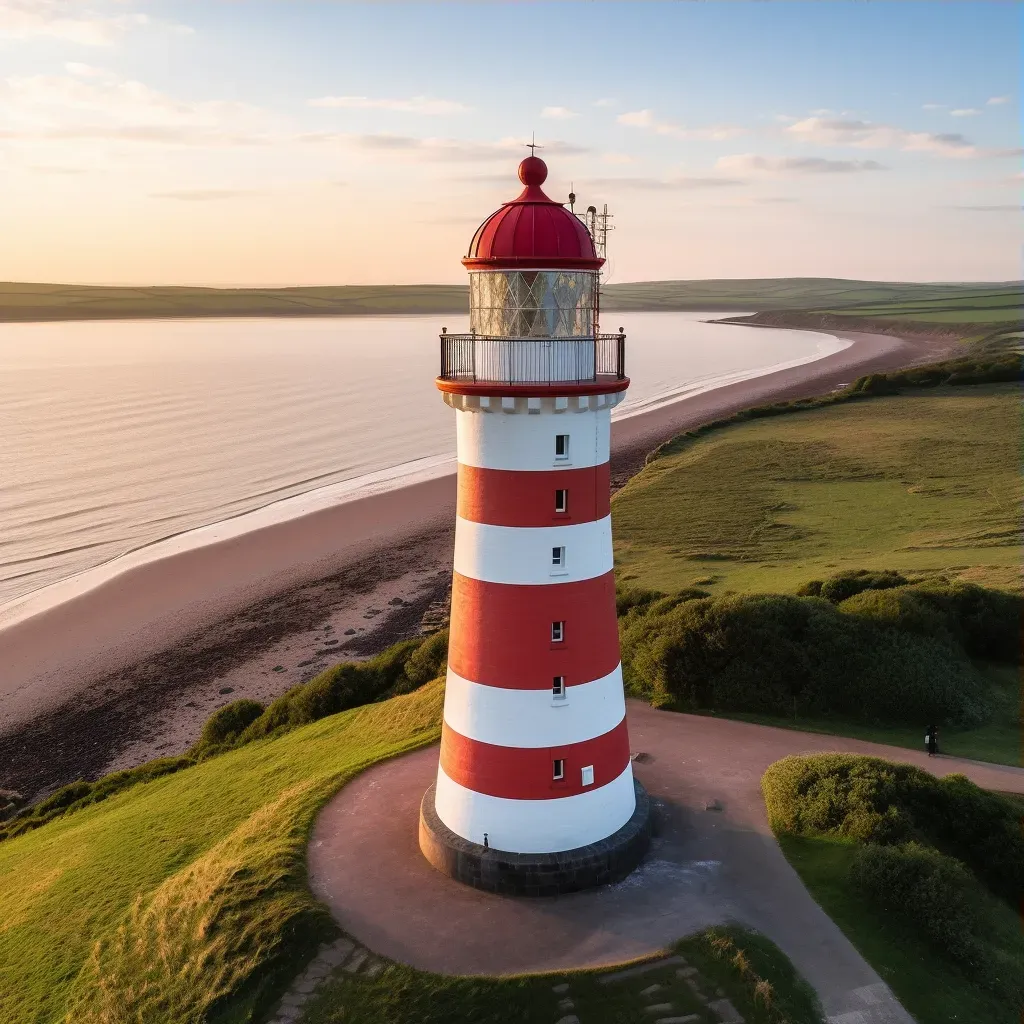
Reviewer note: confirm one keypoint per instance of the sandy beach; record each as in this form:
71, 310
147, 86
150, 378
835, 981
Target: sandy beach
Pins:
130, 669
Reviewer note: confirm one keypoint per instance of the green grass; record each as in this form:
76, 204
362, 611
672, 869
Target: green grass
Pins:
998, 740
935, 993
925, 483
180, 898
73, 302
401, 995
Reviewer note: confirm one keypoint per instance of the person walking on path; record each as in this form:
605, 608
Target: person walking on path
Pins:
931, 740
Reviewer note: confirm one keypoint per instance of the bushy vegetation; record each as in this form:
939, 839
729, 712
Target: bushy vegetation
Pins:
911, 867
869, 800
933, 893
788, 655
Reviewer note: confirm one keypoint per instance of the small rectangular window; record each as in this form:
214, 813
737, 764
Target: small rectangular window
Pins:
558, 769
561, 500
557, 632
558, 557
558, 687
561, 446
587, 775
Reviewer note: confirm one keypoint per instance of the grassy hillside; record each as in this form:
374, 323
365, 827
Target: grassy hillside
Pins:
788, 293
925, 483
162, 901
24, 302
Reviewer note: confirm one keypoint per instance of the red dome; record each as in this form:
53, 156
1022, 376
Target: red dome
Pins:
532, 232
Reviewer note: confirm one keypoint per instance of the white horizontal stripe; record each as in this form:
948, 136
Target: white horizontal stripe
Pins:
536, 826
522, 554
526, 441
533, 718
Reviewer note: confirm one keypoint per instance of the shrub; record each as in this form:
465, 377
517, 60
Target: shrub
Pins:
986, 622
871, 800
227, 724
934, 894
784, 655
901, 607
845, 584
812, 588
400, 669
629, 598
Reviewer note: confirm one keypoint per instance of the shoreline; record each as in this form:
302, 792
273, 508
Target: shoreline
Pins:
131, 669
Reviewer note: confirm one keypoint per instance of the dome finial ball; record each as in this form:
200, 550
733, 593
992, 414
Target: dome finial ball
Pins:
533, 171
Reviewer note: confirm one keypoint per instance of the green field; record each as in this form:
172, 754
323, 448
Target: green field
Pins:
925, 483
26, 302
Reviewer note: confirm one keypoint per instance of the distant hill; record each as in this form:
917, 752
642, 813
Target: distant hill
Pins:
26, 302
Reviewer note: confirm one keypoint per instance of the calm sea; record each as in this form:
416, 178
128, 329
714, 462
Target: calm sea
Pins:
118, 434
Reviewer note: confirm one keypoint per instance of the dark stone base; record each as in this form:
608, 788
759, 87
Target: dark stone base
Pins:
536, 874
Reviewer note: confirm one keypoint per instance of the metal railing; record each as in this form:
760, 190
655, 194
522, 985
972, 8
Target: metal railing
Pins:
481, 358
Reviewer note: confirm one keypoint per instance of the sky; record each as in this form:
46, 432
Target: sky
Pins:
283, 142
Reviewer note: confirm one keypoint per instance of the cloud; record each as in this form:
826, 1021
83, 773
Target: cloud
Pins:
647, 120
440, 149
73, 23
676, 184
605, 101
964, 112
93, 104
204, 195
997, 101
413, 105
1000, 208
558, 113
872, 135
617, 158
746, 163
933, 106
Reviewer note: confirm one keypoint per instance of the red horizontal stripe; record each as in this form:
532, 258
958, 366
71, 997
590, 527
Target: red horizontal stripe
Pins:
603, 384
525, 773
501, 632
507, 497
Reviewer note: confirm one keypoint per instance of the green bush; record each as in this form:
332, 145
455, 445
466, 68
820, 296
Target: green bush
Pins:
933, 893
985, 623
400, 669
845, 584
940, 900
870, 800
786, 655
227, 724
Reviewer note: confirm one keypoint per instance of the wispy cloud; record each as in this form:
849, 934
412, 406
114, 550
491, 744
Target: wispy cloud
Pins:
441, 149
964, 112
933, 106
646, 119
997, 101
72, 22
412, 105
605, 101
205, 195
873, 135
652, 184
751, 163
558, 113
92, 103
998, 208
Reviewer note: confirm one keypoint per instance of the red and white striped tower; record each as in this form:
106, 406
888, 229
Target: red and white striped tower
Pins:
534, 792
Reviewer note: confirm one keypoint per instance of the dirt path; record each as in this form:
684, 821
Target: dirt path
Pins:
705, 866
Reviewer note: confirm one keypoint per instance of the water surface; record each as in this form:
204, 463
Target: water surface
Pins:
117, 434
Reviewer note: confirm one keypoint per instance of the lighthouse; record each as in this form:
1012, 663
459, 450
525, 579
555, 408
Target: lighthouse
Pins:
534, 793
